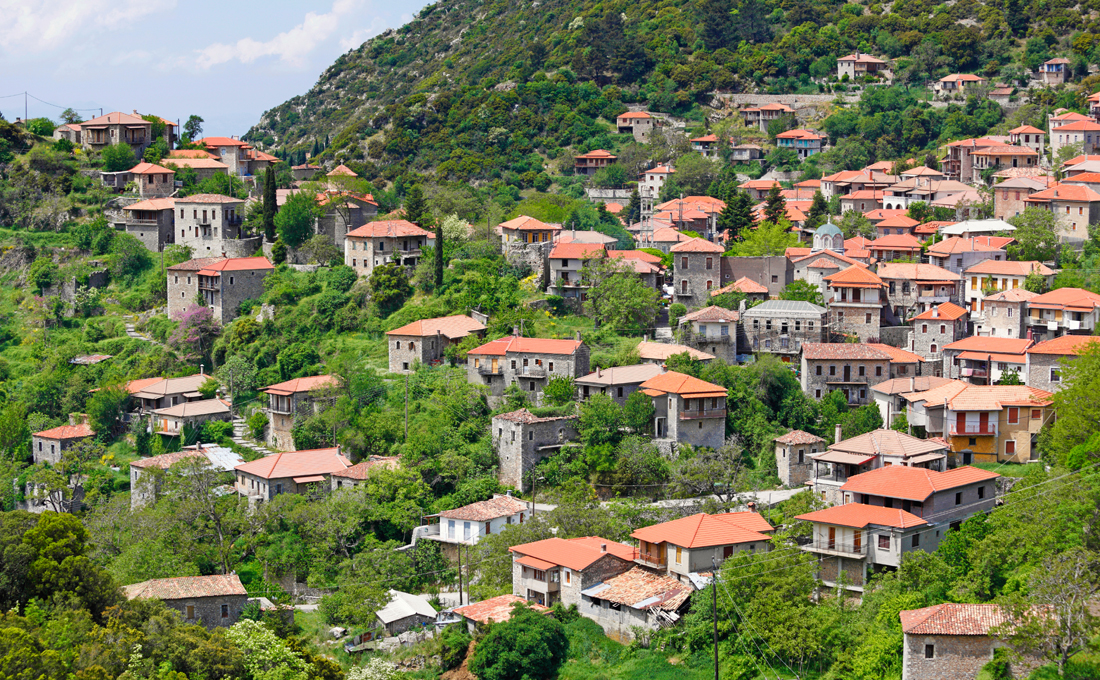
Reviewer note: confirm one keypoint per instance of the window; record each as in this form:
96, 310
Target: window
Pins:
943, 328
832, 370
710, 263
802, 456
933, 349
981, 492
678, 554
568, 576
225, 611
958, 498
1055, 376
531, 436
819, 369
817, 394
924, 328
862, 370
190, 611
868, 318
1013, 414
905, 287
768, 324
1010, 448
1036, 414
683, 263
916, 540
929, 650
883, 542
878, 371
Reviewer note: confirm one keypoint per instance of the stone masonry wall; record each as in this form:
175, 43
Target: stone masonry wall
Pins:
518, 445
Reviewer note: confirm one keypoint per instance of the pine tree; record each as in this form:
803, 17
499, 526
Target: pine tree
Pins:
634, 208
819, 211
776, 208
736, 217
438, 255
416, 208
270, 207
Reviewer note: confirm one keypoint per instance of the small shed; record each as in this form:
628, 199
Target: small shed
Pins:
405, 611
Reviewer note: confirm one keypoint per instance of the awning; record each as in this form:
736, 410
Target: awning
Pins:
843, 457
595, 590
926, 458
535, 563
307, 480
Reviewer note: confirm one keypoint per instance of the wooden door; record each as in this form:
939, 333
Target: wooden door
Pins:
960, 423
495, 365
847, 374
832, 537
857, 541
983, 422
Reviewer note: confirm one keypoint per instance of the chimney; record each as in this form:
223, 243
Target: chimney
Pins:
837, 437
515, 330
603, 547
577, 336
912, 384
752, 506
935, 312
599, 372
741, 307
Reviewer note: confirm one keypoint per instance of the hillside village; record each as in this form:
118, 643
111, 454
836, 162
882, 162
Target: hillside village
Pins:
774, 384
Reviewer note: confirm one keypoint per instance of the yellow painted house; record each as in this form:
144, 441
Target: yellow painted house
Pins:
996, 423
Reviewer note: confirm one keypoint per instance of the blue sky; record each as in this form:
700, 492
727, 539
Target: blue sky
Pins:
226, 61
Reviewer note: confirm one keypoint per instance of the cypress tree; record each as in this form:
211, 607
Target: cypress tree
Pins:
819, 211
776, 208
416, 209
270, 207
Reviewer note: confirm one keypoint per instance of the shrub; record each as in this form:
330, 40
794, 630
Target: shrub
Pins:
257, 424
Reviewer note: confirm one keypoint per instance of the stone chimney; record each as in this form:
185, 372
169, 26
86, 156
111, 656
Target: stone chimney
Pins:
599, 372
741, 306
515, 330
935, 312
603, 547
838, 436
577, 336
751, 506
912, 384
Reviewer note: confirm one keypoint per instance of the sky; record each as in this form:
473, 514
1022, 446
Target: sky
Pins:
227, 62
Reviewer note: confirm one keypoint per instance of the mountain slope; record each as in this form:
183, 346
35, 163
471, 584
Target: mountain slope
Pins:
463, 89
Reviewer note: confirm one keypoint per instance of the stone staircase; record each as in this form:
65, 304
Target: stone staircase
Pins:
240, 438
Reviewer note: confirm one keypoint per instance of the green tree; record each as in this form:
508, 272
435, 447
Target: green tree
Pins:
389, 287
295, 220
801, 290
862, 420
675, 311
192, 129
775, 207
559, 391
611, 177
1077, 405
43, 273
118, 157
768, 238
1035, 282
265, 654
1009, 378
416, 208
853, 223
600, 418
105, 410
617, 298
736, 218
819, 211
638, 413
270, 207
1036, 235
70, 116
529, 645
439, 255
633, 211
130, 257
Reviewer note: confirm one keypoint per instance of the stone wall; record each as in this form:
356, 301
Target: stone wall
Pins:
791, 472
773, 271
208, 611
955, 657
895, 336
852, 569
520, 446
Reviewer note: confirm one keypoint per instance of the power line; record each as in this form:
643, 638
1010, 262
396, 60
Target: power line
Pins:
94, 108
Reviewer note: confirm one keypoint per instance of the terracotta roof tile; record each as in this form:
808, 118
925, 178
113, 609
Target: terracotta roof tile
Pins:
451, 327
887, 442
388, 229
192, 409
575, 553
1066, 298
1066, 345
186, 587
153, 204
895, 242
916, 272
1065, 192
495, 609
150, 169
1009, 268
854, 277
483, 511
661, 351
712, 313
526, 417
363, 468
639, 588
297, 464
957, 244
525, 223
858, 515
342, 171
914, 483
517, 344
702, 530
990, 344
798, 437
898, 221
996, 397
220, 141
697, 245
897, 355
67, 432
819, 351
166, 460
903, 385
577, 251
1012, 295
683, 385
953, 619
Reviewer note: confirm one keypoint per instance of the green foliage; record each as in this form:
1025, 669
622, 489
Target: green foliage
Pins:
454, 642
270, 207
257, 424
638, 412
118, 157
130, 257
295, 219
528, 645
675, 311
559, 391
389, 288
43, 273
95, 235
1036, 235
769, 238
193, 128
802, 290
617, 298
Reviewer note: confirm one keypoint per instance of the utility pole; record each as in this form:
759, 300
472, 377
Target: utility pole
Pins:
459, 574
714, 609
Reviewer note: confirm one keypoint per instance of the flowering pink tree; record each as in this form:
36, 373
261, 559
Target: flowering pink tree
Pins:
194, 337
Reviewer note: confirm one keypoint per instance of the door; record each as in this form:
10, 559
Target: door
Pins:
857, 541
960, 423
495, 365
832, 538
847, 374
983, 422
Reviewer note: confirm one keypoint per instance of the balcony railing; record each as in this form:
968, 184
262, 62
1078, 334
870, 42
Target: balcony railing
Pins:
837, 547
974, 372
975, 428
705, 413
531, 372
143, 223
490, 370
651, 561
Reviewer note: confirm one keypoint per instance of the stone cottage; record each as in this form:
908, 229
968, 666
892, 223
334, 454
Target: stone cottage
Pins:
850, 368
528, 362
697, 267
522, 439
48, 445
223, 283
792, 456
210, 601
426, 341
289, 401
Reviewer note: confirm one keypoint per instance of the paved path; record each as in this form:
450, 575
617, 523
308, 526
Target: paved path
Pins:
240, 430
138, 336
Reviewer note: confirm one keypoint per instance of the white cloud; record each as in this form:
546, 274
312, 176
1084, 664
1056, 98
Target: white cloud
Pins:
291, 46
360, 36
38, 26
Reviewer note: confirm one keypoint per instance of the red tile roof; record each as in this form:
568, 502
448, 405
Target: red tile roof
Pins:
577, 251
1067, 298
702, 530
914, 483
798, 437
575, 553
197, 163
1009, 268
388, 229
1079, 126
483, 511
186, 587
705, 138
915, 271
297, 464
115, 118
639, 588
742, 285
990, 344
858, 515
712, 313
342, 171
238, 264
1012, 295
681, 384
221, 141
1065, 192
898, 221
996, 397
166, 460
307, 384
513, 343
634, 255
895, 242
824, 351
451, 327
525, 223
216, 199
948, 311
956, 244
897, 355
495, 609
697, 245
953, 619
67, 432
363, 468
1066, 345
153, 204
150, 169
854, 277
635, 114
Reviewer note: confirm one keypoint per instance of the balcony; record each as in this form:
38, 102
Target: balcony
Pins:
528, 583
934, 299
971, 429
705, 413
142, 223
531, 372
1073, 325
1052, 325
490, 370
839, 549
650, 560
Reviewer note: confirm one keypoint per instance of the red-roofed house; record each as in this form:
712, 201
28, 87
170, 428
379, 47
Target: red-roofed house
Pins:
707, 145
995, 275
1062, 311
224, 284
1046, 360
792, 456
426, 341
1004, 314
557, 569
895, 247
956, 84
697, 266
849, 367
153, 181
956, 254
637, 123
117, 128
914, 288
527, 362
589, 163
494, 610
870, 451
854, 297
290, 401
1002, 156
210, 225
935, 328
214, 601
1075, 207
1029, 136
470, 523
48, 445
805, 143
953, 640
361, 471
151, 222
298, 472
760, 116
687, 410
857, 65
1084, 132
377, 243
566, 262
983, 360
959, 162
693, 544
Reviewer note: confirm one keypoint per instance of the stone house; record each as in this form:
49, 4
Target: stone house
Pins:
856, 65
991, 276
637, 123
356, 474
890, 394
891, 511
956, 84
706, 146
1083, 132
915, 288
1075, 207
713, 330
152, 222
952, 640
1046, 360
618, 382
898, 225
304, 171
153, 393
854, 298
903, 363
635, 599
753, 291
528, 362
697, 269
665, 238
209, 601
773, 273
959, 162
559, 570
956, 254
224, 283
146, 474
1062, 311
589, 163
759, 189
936, 328
68, 131
291, 401
405, 612
781, 327
694, 544
153, 181
984, 360
792, 457
645, 266
851, 368
205, 166
814, 267
805, 143
426, 341
341, 211
171, 420
688, 410
888, 249
377, 243
470, 523
697, 213
1004, 314
210, 225
116, 128
1002, 156
1029, 136
871, 451
566, 262
48, 445
761, 116
300, 472
230, 151
1055, 71
497, 609
522, 439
